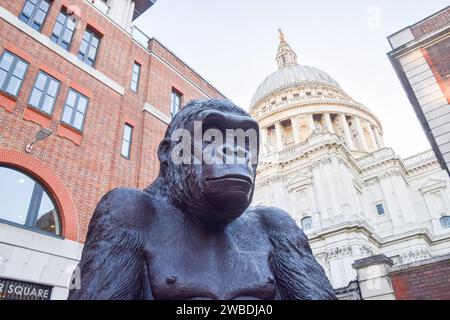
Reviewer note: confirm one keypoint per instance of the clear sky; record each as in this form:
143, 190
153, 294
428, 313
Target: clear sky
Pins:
232, 44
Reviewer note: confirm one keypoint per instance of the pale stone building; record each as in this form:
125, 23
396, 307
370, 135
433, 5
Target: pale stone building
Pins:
323, 160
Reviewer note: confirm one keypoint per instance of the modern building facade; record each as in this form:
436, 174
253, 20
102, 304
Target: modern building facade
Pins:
85, 99
324, 161
421, 57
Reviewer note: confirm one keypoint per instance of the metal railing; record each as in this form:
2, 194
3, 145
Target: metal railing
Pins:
140, 36
101, 5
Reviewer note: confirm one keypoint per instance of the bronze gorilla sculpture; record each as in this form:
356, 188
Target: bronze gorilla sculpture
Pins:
192, 235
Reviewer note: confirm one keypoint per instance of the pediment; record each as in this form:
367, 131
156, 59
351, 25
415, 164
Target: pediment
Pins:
432, 185
299, 181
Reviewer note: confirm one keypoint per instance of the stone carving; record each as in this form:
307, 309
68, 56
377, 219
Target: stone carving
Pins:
191, 234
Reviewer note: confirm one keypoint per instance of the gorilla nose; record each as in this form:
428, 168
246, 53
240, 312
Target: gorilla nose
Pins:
234, 154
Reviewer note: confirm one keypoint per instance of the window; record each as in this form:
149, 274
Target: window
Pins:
63, 30
126, 140
12, 73
44, 93
135, 77
89, 47
296, 96
25, 201
283, 98
308, 93
175, 102
380, 209
75, 109
445, 222
34, 13
306, 223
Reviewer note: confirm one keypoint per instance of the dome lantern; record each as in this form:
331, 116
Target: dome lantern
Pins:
285, 56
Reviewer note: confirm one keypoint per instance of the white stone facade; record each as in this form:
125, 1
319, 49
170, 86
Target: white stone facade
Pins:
323, 160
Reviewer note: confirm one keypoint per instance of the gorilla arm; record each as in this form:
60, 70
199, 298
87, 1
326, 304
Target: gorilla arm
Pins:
297, 273
112, 265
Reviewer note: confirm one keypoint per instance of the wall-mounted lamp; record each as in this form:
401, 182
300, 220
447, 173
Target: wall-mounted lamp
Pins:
41, 135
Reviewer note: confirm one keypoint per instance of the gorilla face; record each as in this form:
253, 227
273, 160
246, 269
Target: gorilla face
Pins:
228, 168
217, 187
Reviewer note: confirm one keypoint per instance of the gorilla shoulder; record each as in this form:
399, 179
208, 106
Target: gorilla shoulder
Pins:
125, 206
277, 221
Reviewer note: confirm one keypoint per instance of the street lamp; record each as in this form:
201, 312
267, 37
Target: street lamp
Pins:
41, 135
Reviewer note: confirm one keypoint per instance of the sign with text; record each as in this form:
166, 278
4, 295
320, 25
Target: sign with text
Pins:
20, 290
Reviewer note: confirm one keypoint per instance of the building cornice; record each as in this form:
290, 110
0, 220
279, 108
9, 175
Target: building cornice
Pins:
44, 40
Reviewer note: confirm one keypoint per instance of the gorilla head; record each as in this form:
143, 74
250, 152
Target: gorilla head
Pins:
208, 161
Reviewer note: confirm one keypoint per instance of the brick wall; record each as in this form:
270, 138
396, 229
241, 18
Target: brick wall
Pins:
423, 281
89, 163
431, 24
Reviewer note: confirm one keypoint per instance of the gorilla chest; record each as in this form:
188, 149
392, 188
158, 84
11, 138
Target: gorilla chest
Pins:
187, 270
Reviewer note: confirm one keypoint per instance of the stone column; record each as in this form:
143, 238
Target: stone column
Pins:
311, 123
263, 132
372, 137
295, 129
279, 136
361, 137
373, 277
328, 122
379, 139
347, 134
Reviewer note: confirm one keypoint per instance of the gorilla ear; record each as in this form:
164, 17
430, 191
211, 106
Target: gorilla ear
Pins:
164, 151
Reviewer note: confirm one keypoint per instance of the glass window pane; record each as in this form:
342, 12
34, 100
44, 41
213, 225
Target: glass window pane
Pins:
7, 61
53, 88
40, 81
78, 121
71, 24
2, 78
16, 190
13, 86
127, 133
67, 115
67, 36
71, 98
47, 105
83, 46
61, 18
133, 86
92, 53
86, 36
35, 98
28, 8
40, 16
20, 69
44, 6
47, 219
58, 28
95, 41
82, 104
125, 149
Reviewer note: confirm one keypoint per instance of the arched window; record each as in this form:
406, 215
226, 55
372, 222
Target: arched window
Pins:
25, 201
306, 223
445, 222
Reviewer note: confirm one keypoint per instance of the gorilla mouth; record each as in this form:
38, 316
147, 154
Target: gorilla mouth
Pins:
237, 177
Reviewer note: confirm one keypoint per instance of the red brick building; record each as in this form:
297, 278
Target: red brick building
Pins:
106, 92
421, 58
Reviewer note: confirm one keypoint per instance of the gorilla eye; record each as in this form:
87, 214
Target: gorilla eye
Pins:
213, 138
180, 139
180, 154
